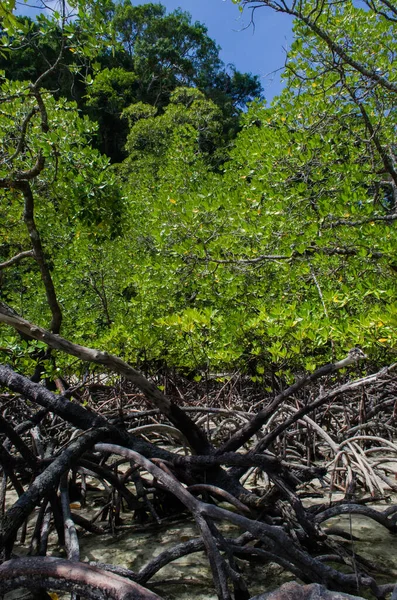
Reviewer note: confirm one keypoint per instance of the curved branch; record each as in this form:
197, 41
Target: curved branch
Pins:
59, 574
71, 539
272, 537
24, 127
310, 251
195, 436
310, 407
357, 509
330, 224
295, 11
16, 259
73, 413
247, 431
388, 162
30, 174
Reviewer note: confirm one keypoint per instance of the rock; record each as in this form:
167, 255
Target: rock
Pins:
295, 591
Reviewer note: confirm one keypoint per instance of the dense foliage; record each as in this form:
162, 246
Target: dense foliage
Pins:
143, 55
274, 250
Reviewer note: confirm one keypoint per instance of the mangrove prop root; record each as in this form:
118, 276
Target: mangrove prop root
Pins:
80, 578
266, 503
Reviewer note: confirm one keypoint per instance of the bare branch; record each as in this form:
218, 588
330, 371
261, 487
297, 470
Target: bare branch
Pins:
282, 7
310, 251
373, 219
60, 574
272, 537
16, 259
192, 432
36, 85
323, 399
29, 174
388, 162
249, 429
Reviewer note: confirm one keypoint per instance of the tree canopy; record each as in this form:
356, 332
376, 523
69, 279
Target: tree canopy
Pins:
144, 55
275, 250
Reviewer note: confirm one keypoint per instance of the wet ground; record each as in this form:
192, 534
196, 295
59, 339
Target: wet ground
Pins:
189, 578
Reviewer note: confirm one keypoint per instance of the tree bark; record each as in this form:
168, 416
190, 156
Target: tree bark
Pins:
58, 574
196, 436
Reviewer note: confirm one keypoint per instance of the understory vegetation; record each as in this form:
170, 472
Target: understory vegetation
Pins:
221, 271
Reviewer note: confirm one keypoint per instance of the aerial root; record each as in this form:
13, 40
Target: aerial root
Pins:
262, 490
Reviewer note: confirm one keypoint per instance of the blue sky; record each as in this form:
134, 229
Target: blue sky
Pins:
259, 50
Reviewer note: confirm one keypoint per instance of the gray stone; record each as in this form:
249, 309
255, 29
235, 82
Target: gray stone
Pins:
295, 591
